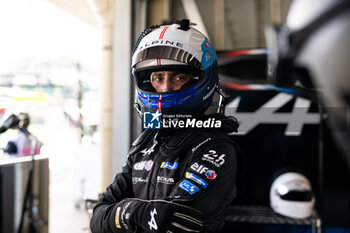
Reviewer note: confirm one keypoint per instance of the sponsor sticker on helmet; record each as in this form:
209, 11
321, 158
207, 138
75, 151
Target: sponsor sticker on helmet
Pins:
208, 54
189, 187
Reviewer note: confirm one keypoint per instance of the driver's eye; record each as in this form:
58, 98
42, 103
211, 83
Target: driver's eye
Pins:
180, 77
157, 78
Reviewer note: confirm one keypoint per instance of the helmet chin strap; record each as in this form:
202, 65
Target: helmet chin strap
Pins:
138, 109
220, 99
160, 103
223, 97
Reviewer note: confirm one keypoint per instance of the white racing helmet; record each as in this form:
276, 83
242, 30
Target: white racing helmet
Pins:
175, 47
291, 195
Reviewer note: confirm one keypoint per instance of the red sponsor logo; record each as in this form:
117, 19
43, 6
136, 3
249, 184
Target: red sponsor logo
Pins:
210, 174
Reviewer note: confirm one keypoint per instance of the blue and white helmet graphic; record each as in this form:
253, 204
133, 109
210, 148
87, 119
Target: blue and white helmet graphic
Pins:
175, 47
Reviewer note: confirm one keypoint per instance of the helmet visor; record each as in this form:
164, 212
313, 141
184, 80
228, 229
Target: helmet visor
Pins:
296, 195
166, 79
166, 52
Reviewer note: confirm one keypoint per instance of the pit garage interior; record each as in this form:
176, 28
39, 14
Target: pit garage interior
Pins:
280, 128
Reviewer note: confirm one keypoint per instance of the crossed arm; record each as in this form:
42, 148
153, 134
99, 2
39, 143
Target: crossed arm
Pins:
119, 211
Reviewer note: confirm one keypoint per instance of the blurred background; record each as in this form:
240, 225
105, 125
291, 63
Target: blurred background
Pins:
50, 68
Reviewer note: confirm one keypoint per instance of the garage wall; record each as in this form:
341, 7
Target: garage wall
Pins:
244, 20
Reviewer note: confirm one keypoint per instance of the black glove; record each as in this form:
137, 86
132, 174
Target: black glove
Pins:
157, 216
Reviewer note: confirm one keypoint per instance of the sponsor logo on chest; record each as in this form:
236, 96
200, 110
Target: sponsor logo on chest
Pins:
149, 151
136, 180
143, 165
165, 180
168, 165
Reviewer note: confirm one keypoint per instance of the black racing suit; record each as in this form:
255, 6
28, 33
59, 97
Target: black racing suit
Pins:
196, 167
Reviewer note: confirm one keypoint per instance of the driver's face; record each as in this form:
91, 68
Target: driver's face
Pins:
165, 81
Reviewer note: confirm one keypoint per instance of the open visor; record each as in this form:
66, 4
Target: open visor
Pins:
168, 53
143, 76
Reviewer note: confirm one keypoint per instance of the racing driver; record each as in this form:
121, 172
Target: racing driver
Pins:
175, 179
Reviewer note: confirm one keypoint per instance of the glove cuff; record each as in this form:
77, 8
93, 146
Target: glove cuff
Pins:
122, 219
